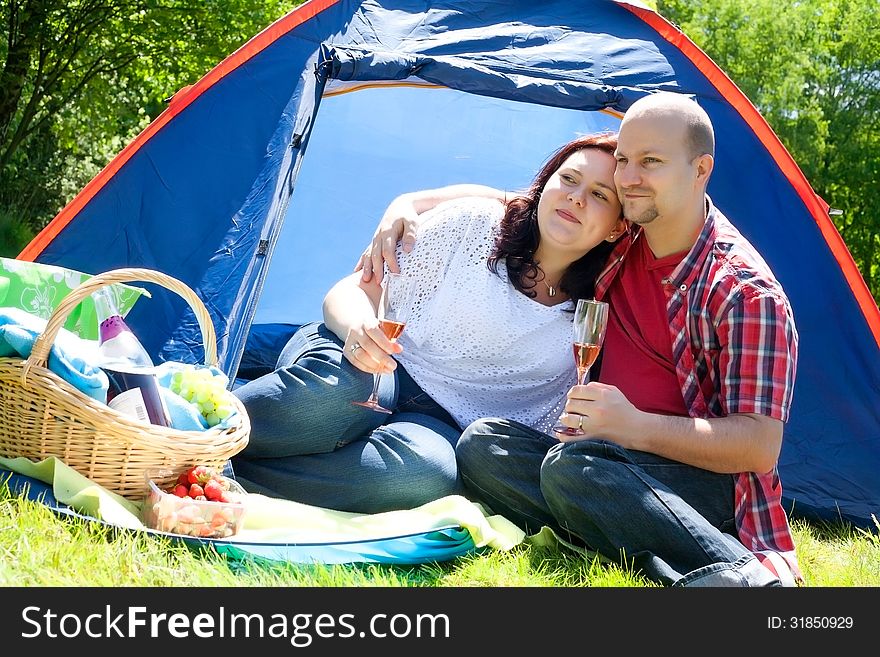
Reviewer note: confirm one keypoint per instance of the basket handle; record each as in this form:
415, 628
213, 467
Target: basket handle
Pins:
43, 344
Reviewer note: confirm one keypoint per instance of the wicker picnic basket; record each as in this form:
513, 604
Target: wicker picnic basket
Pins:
42, 415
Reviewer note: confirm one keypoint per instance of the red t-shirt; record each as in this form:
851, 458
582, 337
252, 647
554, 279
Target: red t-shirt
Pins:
637, 354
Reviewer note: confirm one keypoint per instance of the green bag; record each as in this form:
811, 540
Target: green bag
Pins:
38, 289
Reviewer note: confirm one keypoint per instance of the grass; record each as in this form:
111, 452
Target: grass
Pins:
37, 548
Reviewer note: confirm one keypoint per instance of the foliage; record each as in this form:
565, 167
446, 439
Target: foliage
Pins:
813, 70
13, 230
80, 78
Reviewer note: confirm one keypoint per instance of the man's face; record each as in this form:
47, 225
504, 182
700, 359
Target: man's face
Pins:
655, 176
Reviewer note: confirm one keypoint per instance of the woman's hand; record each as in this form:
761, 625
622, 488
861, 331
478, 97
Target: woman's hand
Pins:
398, 223
368, 349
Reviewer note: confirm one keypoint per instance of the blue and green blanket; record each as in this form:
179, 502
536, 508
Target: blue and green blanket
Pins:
278, 530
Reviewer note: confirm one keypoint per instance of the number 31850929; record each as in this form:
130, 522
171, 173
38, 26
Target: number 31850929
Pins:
810, 623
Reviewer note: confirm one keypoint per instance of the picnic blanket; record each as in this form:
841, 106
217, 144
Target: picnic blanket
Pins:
285, 531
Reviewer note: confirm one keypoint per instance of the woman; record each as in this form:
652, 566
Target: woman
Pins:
488, 335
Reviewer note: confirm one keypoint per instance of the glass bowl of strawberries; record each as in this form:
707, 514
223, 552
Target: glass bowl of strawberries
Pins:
201, 503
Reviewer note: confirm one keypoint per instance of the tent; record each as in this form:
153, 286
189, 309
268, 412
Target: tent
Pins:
259, 185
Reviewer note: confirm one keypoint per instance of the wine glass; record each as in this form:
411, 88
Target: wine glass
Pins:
590, 322
394, 307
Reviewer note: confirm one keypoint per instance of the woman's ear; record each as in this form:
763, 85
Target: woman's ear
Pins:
618, 230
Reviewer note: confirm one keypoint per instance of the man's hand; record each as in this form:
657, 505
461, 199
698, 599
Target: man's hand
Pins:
602, 411
740, 442
401, 220
398, 223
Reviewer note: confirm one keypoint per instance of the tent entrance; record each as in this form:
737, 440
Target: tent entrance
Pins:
373, 142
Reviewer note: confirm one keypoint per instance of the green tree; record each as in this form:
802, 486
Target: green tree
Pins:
80, 78
813, 70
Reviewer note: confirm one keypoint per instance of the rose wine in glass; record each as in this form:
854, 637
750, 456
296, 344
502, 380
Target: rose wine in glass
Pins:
391, 329
590, 322
394, 307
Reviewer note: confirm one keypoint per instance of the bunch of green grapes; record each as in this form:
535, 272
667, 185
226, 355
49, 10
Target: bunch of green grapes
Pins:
205, 390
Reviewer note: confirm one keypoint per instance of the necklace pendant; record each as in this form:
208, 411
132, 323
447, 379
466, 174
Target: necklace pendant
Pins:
551, 291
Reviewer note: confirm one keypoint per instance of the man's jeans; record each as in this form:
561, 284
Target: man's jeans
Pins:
674, 522
309, 443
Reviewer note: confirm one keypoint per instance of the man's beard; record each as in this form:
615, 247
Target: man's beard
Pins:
647, 216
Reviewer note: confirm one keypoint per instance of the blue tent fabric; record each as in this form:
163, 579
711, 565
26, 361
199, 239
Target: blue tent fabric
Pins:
442, 544
260, 185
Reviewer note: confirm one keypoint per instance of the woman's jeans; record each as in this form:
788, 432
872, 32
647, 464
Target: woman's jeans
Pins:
672, 521
310, 444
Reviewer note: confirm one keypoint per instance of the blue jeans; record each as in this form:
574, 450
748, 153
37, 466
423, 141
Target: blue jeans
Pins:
310, 444
672, 521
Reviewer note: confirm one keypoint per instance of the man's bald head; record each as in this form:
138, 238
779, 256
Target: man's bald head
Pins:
700, 135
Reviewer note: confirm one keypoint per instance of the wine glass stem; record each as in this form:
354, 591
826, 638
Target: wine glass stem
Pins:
374, 396
582, 375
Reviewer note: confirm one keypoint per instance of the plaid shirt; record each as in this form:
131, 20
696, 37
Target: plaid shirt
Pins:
734, 343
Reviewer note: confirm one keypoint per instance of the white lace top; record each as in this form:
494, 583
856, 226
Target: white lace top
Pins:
473, 342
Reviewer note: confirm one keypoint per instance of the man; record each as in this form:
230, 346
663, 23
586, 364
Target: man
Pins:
677, 472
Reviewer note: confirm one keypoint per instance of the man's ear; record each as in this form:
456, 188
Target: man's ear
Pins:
705, 163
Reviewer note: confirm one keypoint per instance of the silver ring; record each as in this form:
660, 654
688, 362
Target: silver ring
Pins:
354, 347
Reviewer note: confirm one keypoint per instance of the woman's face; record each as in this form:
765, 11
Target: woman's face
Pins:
579, 207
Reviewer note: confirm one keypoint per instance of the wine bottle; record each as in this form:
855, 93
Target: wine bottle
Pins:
134, 386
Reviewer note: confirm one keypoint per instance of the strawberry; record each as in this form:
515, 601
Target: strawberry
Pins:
183, 479
188, 514
199, 474
181, 491
213, 490
220, 479
195, 491
228, 514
